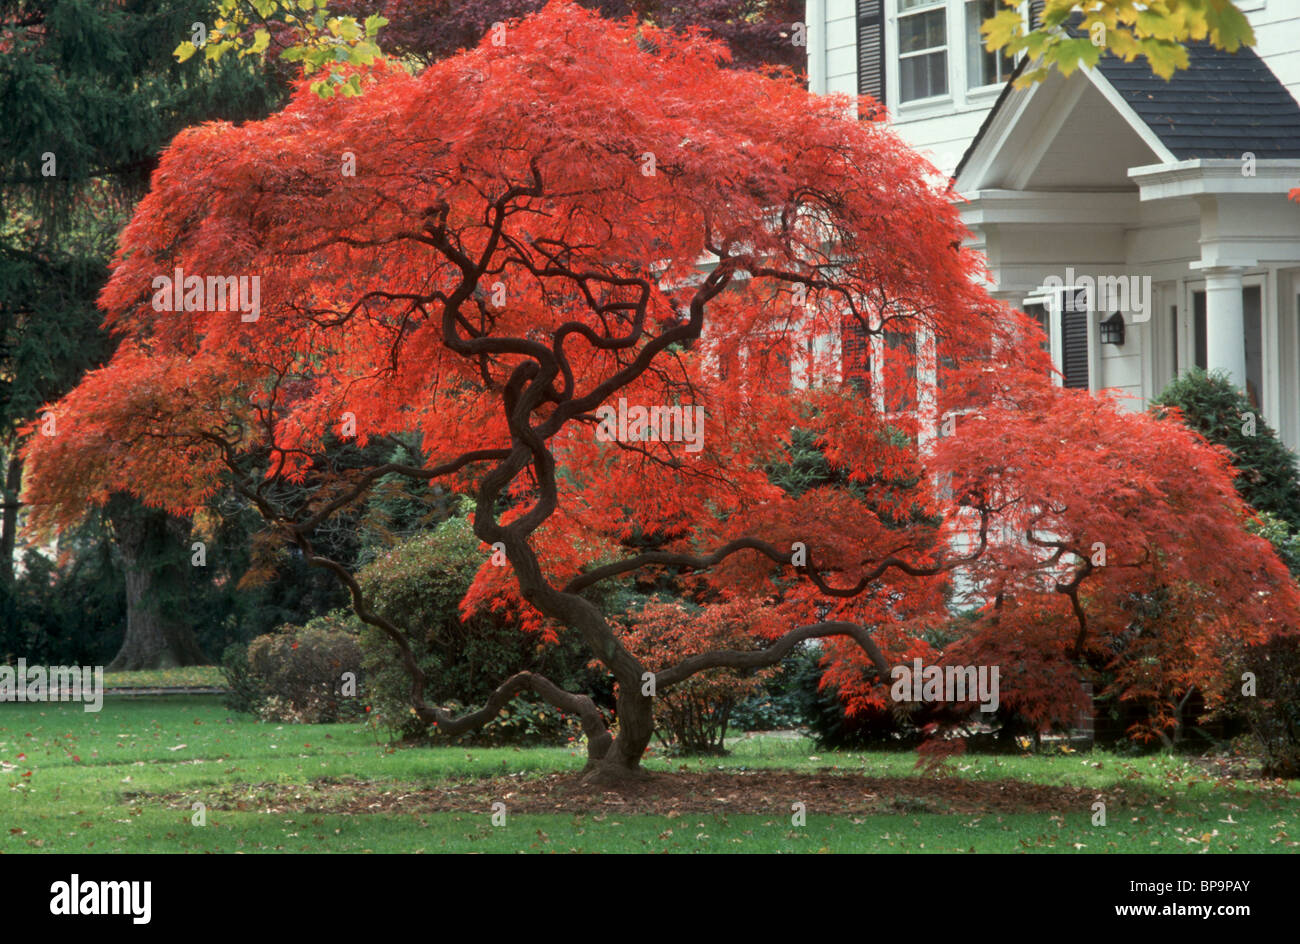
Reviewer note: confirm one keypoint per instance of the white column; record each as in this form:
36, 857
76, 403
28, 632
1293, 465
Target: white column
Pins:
1225, 335
815, 10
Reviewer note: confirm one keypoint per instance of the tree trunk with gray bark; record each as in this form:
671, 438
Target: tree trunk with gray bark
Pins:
152, 545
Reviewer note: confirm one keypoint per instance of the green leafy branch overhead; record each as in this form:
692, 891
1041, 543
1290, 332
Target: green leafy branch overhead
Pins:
303, 30
1153, 29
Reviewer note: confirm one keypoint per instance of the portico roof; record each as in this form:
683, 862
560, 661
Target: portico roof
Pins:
1221, 106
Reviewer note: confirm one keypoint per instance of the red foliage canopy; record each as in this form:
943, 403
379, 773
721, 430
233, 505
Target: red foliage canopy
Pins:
594, 212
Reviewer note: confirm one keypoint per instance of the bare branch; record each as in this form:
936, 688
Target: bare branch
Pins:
760, 658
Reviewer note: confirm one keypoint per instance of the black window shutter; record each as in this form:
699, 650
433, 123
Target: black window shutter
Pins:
1074, 348
871, 49
1035, 14
856, 354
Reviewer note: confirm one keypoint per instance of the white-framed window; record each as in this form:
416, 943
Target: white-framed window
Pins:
983, 68
1070, 326
931, 52
922, 49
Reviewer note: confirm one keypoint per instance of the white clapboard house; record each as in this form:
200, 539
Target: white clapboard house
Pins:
1144, 222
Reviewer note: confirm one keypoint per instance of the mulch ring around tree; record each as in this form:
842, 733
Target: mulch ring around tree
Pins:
761, 792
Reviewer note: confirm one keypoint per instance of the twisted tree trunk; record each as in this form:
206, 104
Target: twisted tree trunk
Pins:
635, 729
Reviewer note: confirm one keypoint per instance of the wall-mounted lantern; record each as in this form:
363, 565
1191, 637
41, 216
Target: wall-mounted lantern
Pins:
1112, 330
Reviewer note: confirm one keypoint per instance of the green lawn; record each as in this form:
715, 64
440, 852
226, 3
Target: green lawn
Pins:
98, 782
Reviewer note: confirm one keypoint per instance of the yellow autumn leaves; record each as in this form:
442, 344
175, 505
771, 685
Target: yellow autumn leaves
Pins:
305, 31
1153, 29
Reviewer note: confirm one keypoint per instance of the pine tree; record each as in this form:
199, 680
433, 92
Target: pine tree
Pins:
89, 96
1267, 477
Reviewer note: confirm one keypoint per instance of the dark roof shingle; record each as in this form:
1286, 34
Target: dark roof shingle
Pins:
1221, 105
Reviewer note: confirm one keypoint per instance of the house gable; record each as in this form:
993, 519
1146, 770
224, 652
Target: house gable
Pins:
1061, 134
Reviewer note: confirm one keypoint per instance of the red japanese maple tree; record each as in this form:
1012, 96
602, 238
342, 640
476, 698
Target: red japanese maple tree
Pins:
1120, 558
514, 250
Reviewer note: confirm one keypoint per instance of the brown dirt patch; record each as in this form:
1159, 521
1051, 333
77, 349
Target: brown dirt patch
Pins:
762, 792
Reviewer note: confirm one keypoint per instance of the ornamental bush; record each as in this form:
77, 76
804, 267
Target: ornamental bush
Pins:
243, 693
1267, 477
692, 716
309, 674
1285, 541
1272, 710
788, 699
419, 585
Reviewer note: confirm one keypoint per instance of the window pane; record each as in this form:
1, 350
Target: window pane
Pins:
983, 67
923, 76
938, 73
922, 31
1041, 315
913, 4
